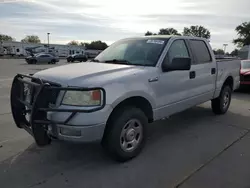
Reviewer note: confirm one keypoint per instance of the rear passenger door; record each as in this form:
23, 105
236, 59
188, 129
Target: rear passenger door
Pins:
204, 69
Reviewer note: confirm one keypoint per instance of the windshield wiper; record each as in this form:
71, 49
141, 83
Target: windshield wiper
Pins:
118, 61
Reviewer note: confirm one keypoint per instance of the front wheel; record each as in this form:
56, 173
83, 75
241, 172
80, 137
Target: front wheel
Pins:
53, 61
221, 104
125, 134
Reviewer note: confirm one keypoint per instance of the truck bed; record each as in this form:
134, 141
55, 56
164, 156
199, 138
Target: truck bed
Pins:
228, 67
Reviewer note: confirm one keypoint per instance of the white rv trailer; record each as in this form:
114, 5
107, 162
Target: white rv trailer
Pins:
23, 49
1, 49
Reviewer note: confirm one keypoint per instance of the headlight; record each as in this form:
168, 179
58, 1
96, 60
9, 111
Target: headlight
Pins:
83, 98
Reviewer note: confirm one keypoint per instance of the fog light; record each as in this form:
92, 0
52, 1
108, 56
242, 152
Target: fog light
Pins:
70, 132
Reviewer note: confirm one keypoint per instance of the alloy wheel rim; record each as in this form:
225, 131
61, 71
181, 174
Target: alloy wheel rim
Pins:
131, 135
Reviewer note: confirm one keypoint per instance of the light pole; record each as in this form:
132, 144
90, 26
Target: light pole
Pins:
48, 40
225, 46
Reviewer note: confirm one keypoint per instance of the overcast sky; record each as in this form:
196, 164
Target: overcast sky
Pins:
110, 20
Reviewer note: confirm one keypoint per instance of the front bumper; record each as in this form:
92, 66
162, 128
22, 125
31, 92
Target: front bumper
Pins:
78, 134
245, 83
244, 79
37, 107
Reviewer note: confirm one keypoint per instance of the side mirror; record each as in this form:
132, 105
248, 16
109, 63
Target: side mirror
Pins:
178, 63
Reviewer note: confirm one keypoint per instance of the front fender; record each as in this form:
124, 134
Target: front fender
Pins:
118, 92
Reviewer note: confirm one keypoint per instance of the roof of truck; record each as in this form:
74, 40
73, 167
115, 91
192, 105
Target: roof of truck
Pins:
167, 37
173, 36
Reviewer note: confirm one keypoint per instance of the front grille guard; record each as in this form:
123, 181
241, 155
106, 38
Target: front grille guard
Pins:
39, 103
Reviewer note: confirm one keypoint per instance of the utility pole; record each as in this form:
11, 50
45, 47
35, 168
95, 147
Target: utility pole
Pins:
225, 46
48, 41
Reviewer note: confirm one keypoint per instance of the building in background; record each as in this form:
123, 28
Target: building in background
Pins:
24, 49
244, 52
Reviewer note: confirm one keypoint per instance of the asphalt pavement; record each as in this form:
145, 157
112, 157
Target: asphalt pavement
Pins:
194, 148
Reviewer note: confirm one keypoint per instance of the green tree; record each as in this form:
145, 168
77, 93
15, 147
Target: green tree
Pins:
219, 52
168, 31
97, 45
85, 44
235, 52
243, 32
197, 31
73, 42
31, 39
6, 38
148, 33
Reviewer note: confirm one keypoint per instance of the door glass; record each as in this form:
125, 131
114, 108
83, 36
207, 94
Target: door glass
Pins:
177, 49
201, 51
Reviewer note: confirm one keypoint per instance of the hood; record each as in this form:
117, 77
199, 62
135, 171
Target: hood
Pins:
88, 73
245, 71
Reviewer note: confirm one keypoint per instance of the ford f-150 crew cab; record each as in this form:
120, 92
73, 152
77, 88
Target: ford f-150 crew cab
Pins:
113, 97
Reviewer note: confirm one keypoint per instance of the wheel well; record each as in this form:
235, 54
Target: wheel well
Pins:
138, 102
229, 81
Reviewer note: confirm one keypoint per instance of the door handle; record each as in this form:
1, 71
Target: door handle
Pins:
213, 70
192, 74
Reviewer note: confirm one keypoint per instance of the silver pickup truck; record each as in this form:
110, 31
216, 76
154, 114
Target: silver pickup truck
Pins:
113, 98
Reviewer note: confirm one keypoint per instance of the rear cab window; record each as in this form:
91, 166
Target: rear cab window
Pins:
200, 51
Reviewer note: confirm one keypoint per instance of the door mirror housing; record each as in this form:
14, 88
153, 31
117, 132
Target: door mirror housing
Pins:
178, 63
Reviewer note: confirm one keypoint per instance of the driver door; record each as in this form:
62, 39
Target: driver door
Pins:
174, 88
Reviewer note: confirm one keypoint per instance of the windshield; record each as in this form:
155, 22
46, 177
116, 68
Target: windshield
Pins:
145, 52
245, 64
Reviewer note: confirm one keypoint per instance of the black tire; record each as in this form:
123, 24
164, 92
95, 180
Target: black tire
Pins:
220, 105
53, 61
34, 61
40, 135
117, 127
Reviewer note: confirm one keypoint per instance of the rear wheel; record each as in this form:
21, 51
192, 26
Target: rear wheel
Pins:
125, 135
221, 104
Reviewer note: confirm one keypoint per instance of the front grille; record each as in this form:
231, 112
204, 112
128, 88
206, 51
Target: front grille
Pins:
50, 95
241, 77
53, 94
247, 78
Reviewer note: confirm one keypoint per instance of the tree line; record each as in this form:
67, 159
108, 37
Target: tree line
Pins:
243, 32
198, 31
94, 45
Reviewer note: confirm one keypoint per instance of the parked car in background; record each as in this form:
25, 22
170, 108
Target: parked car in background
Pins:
42, 58
112, 99
77, 57
245, 73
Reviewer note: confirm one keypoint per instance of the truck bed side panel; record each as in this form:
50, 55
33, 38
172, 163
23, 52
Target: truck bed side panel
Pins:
225, 69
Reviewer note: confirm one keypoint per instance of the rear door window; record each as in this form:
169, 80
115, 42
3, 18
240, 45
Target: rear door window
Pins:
201, 51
